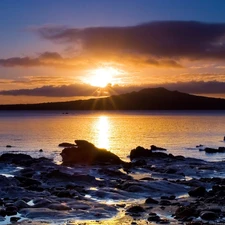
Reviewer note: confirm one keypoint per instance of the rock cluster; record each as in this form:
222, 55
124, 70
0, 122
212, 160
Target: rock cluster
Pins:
39, 189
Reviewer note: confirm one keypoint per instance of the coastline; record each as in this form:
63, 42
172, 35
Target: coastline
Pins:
158, 189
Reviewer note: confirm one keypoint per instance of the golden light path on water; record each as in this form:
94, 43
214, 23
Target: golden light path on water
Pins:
103, 132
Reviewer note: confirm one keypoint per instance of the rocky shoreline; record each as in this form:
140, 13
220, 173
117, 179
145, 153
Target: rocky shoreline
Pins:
94, 186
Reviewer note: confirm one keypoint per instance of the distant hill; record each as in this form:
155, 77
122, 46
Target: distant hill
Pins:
146, 99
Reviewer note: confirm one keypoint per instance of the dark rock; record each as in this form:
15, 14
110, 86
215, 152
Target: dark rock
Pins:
27, 181
58, 206
214, 150
165, 202
64, 194
41, 150
197, 192
41, 202
154, 218
11, 158
184, 212
2, 212
14, 219
151, 201
20, 204
208, 215
141, 152
211, 150
153, 147
8, 146
11, 210
86, 153
135, 209
170, 171
221, 149
66, 145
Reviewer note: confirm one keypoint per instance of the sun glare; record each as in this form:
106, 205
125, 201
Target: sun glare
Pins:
103, 132
103, 76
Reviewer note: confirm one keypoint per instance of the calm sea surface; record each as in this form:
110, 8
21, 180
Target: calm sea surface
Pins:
118, 132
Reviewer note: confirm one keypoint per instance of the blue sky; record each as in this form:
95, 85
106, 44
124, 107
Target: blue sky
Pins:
30, 57
16, 16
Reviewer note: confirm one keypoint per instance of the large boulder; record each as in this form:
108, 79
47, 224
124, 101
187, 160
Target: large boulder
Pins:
141, 152
86, 153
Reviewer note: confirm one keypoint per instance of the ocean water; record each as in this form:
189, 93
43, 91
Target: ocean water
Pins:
118, 131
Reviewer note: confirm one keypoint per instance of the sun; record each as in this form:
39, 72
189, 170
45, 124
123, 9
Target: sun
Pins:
102, 76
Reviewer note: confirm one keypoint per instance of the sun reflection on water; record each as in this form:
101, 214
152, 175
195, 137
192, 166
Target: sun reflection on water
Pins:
103, 132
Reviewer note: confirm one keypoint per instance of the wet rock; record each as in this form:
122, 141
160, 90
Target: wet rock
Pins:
153, 147
2, 212
170, 171
21, 204
86, 153
114, 173
41, 202
27, 181
208, 215
165, 202
9, 157
66, 145
14, 219
7, 181
11, 210
64, 194
221, 149
59, 207
184, 212
154, 217
197, 192
141, 152
151, 201
27, 172
214, 150
135, 209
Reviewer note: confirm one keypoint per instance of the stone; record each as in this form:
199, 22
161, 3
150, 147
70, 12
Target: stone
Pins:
58, 206
151, 201
21, 204
154, 218
197, 192
153, 147
86, 153
208, 215
11, 210
214, 150
135, 209
27, 181
66, 145
14, 219
9, 157
165, 202
184, 212
141, 152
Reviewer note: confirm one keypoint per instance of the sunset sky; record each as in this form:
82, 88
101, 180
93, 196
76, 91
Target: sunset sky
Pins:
53, 50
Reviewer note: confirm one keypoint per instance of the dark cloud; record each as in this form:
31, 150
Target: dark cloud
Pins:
211, 87
165, 39
198, 87
58, 91
43, 59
